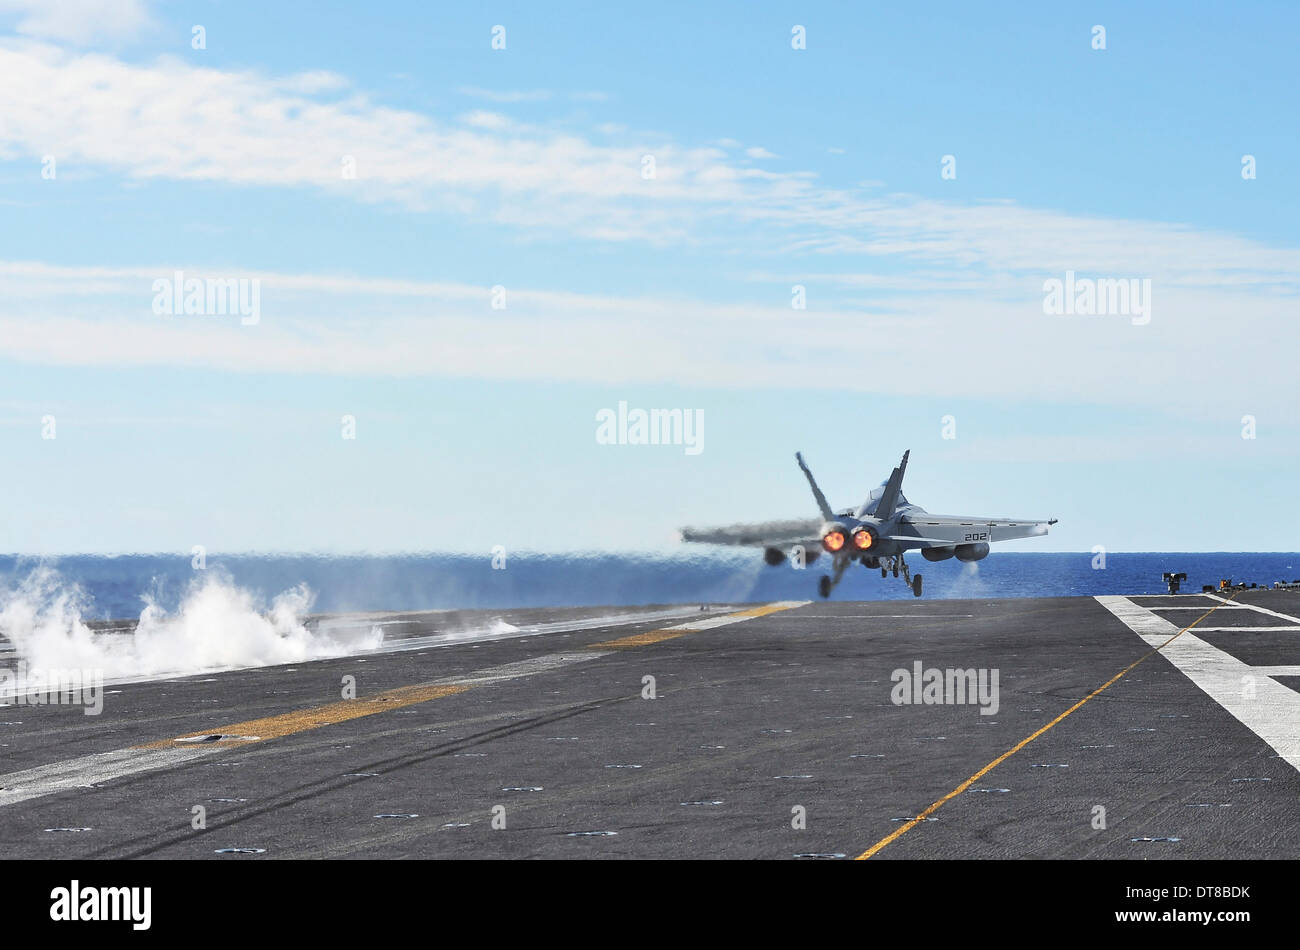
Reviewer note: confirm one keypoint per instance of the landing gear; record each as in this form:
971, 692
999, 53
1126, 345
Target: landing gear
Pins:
827, 583
896, 564
888, 563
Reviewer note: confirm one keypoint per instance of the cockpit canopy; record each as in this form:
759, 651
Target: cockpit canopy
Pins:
869, 506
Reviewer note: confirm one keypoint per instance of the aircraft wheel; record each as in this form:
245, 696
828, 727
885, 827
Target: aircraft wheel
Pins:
895, 571
884, 572
916, 586
824, 586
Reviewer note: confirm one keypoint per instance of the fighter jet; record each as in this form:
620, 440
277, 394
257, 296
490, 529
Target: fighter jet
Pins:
875, 534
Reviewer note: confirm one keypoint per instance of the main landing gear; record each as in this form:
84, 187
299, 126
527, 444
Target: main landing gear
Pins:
914, 582
893, 563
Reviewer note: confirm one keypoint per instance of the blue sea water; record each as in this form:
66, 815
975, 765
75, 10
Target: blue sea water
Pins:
116, 586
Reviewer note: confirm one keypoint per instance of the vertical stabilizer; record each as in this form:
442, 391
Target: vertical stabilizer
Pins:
893, 489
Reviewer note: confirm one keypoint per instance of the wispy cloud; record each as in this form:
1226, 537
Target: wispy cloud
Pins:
940, 294
506, 96
972, 342
80, 22
171, 120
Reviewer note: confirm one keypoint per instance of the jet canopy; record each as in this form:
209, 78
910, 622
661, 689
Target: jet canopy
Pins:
874, 496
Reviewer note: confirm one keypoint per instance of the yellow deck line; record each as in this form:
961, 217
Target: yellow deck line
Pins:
695, 626
912, 823
302, 720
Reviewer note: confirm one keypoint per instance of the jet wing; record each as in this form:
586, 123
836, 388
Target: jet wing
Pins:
928, 530
765, 534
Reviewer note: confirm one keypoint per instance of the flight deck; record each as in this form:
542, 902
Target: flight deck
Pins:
1108, 727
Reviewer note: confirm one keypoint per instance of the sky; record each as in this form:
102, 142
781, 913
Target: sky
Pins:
470, 229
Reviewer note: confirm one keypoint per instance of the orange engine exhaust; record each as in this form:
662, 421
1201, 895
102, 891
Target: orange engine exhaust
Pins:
863, 539
834, 540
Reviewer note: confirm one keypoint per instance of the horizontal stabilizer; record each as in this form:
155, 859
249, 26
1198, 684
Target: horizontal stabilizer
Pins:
822, 506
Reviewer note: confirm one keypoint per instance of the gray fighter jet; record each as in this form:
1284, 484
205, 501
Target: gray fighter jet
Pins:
875, 534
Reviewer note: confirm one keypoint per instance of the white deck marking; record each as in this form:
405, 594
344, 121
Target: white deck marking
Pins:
1179, 596
874, 616
1267, 708
90, 769
529, 667
1201, 607
710, 622
1256, 607
487, 635
1242, 629
1277, 670
104, 766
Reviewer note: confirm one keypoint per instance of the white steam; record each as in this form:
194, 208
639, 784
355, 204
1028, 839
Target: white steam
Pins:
969, 583
217, 626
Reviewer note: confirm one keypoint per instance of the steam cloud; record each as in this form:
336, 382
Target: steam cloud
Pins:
217, 626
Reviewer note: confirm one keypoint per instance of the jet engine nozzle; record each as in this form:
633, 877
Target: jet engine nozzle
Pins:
834, 537
865, 537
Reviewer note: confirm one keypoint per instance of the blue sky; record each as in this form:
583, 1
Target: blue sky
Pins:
522, 168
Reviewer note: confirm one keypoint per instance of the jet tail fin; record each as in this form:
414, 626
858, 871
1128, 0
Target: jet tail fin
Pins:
822, 506
893, 488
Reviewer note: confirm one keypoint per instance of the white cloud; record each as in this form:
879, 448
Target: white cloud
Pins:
314, 82
974, 342
505, 96
172, 120
81, 22
758, 152
946, 296
481, 119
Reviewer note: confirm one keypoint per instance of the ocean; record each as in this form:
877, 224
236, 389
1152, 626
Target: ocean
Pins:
119, 587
